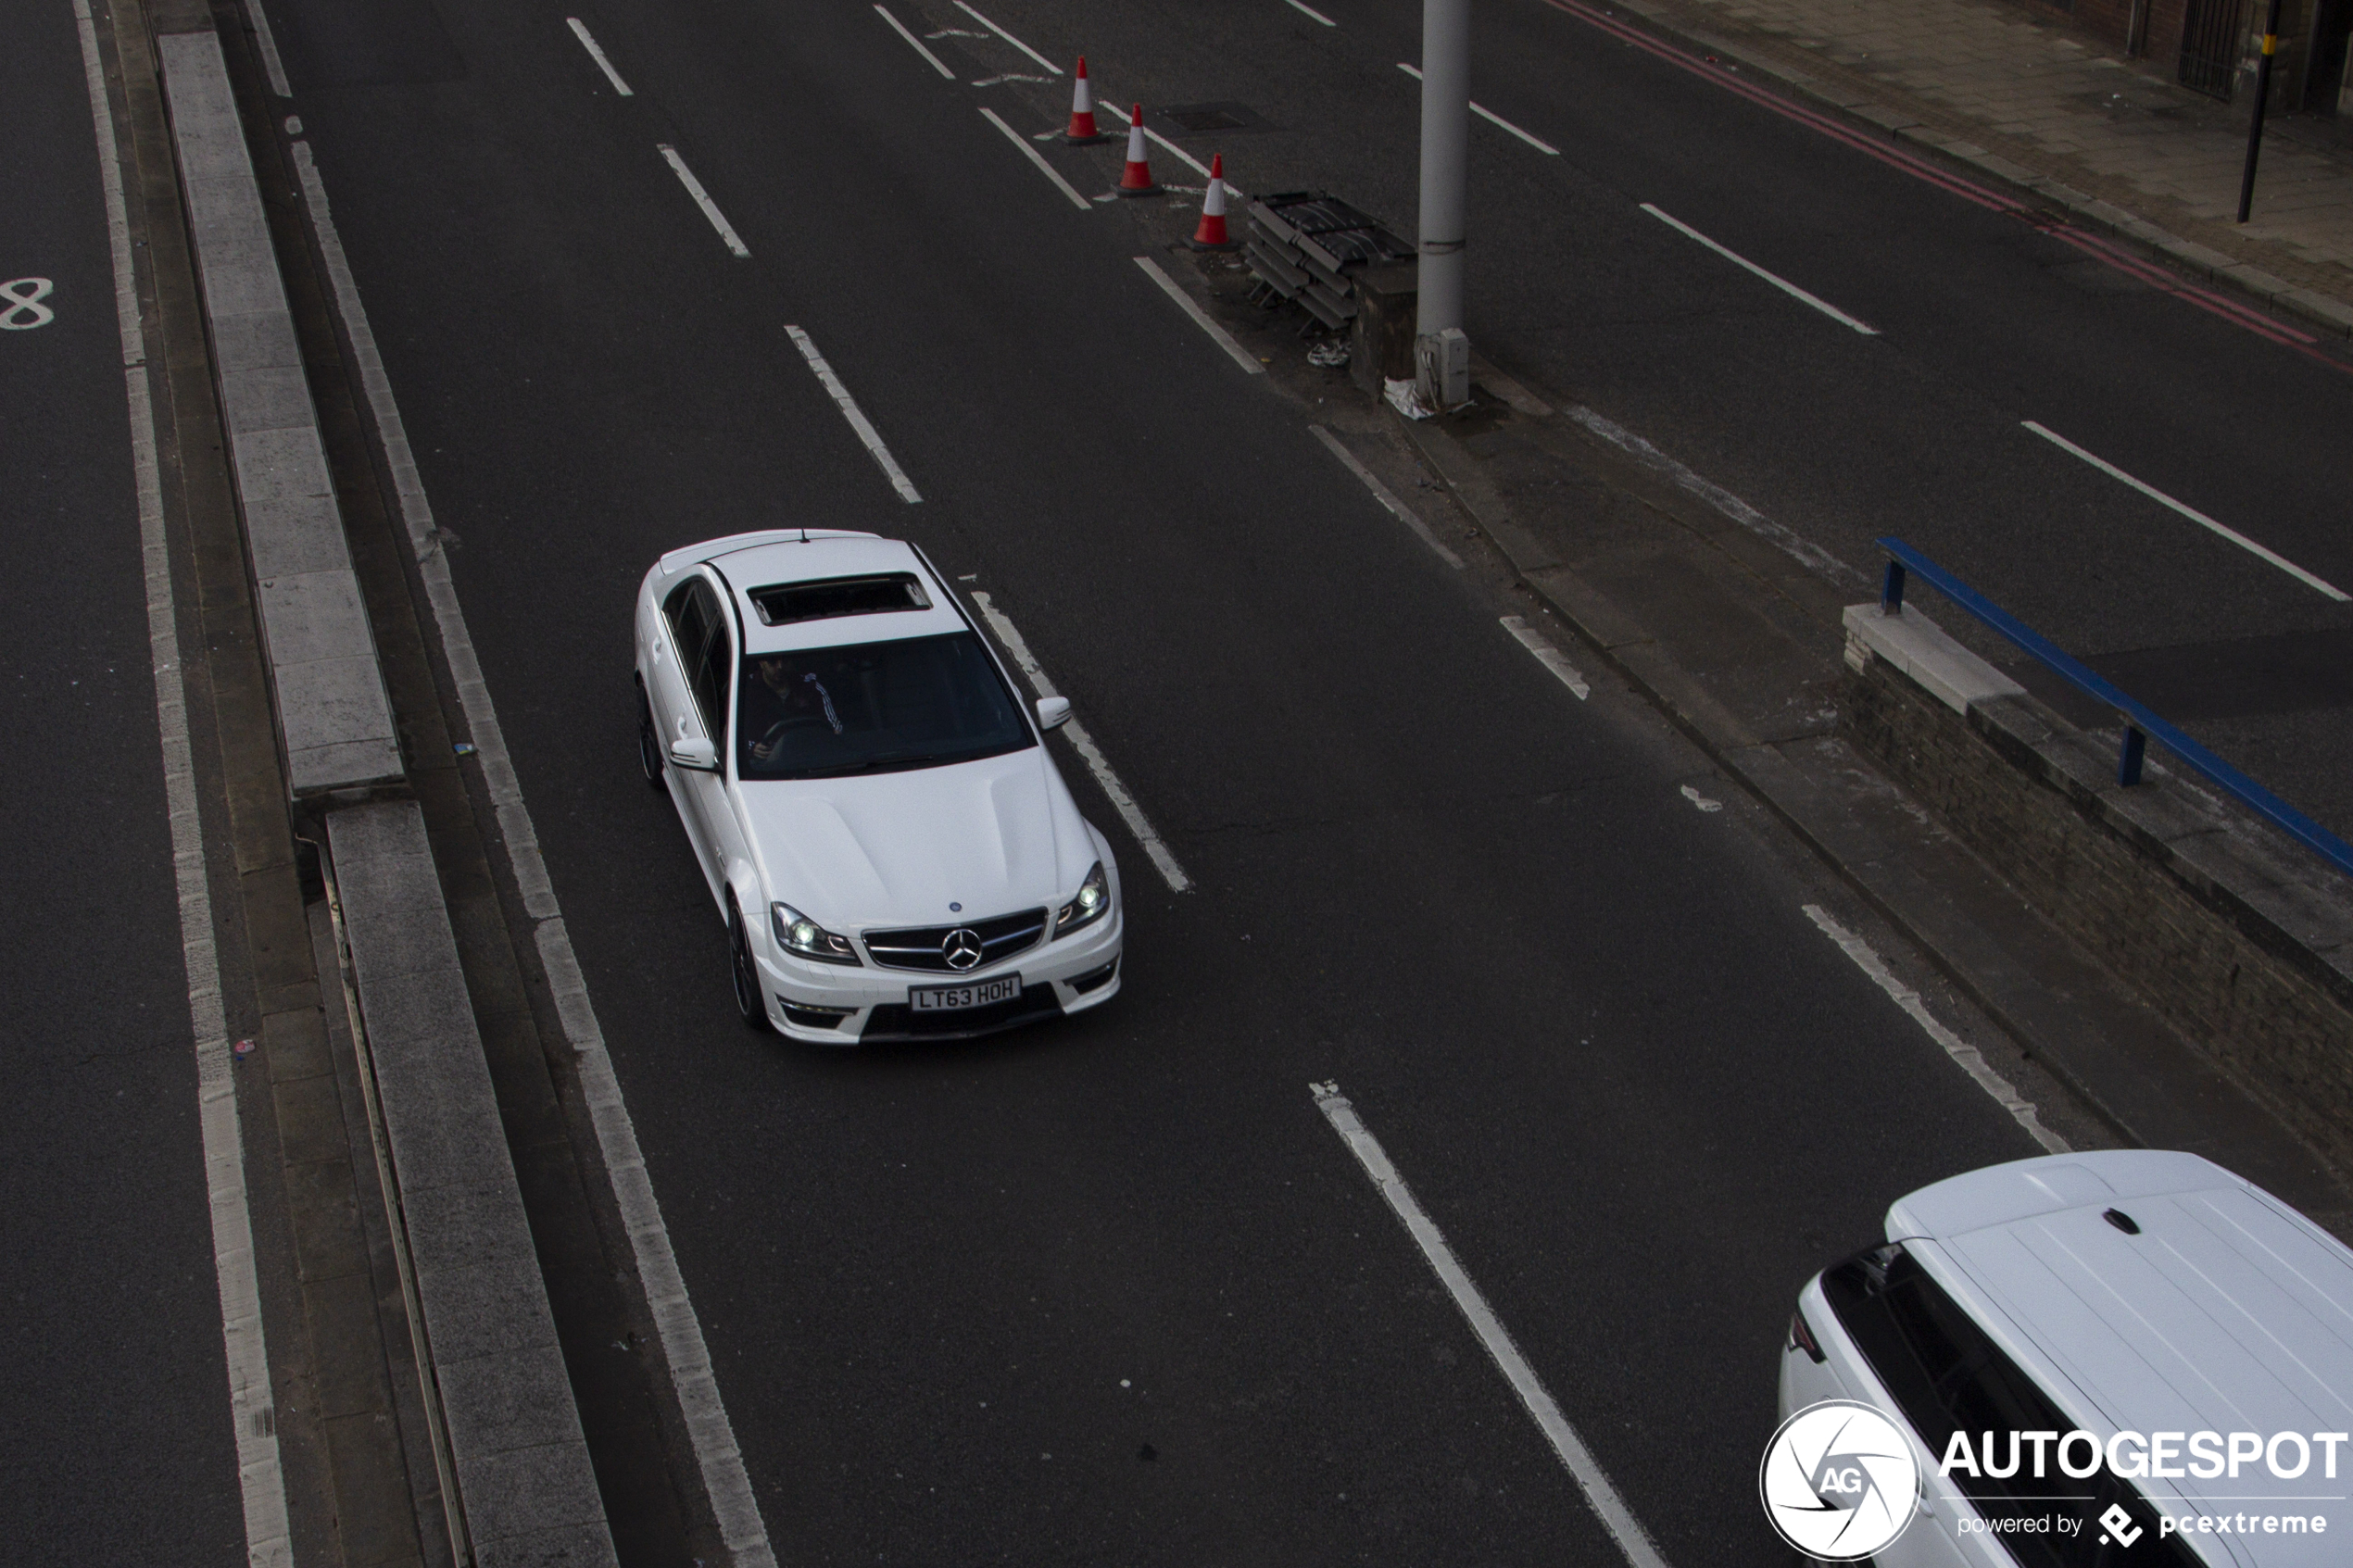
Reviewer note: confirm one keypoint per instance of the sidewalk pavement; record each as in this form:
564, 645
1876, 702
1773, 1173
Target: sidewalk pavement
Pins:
2030, 104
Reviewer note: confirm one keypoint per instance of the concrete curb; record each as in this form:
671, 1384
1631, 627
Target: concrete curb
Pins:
2329, 315
528, 1489
333, 713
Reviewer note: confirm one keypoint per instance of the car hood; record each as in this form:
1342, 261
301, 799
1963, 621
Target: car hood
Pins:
996, 835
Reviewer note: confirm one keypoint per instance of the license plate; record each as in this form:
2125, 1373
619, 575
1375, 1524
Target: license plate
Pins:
950, 999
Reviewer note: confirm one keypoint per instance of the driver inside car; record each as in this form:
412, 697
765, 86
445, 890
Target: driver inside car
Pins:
794, 700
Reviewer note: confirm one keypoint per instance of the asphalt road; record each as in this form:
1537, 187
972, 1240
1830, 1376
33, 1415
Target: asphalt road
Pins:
115, 1443
1983, 322
1114, 1289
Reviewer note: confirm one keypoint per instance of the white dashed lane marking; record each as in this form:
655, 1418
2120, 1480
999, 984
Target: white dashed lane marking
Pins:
580, 31
702, 200
1600, 1493
914, 43
1122, 802
855, 415
1043, 167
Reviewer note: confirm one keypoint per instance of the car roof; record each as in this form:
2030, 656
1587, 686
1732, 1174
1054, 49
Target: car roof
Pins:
750, 562
2228, 1312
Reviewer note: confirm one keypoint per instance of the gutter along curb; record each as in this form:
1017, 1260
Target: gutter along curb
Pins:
512, 1428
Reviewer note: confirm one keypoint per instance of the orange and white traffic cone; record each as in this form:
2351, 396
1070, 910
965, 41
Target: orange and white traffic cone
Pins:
1082, 132
1211, 235
1137, 179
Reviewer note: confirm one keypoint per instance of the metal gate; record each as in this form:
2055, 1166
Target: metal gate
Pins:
2210, 46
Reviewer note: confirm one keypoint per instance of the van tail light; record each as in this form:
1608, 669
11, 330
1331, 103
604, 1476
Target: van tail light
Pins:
1801, 1337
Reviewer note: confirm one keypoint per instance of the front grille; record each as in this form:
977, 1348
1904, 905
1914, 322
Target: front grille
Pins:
920, 947
895, 1020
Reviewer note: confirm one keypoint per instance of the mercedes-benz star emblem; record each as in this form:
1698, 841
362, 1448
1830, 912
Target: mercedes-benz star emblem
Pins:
960, 948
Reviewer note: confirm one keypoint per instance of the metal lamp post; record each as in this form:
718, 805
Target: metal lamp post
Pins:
1441, 351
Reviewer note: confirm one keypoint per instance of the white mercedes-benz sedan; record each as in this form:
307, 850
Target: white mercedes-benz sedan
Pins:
894, 853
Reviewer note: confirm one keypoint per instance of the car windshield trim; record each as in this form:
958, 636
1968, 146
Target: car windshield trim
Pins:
887, 706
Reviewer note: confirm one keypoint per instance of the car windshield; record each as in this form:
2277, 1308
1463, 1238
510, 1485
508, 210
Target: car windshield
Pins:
873, 708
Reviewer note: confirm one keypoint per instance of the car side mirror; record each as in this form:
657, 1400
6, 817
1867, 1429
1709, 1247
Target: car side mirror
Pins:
1052, 711
696, 752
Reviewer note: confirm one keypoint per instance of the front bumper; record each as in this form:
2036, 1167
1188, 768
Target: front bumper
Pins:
829, 1006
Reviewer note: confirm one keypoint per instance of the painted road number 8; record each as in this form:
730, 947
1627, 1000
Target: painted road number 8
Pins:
28, 311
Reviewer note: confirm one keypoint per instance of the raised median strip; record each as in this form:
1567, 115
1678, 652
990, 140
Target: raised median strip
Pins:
528, 1491
333, 714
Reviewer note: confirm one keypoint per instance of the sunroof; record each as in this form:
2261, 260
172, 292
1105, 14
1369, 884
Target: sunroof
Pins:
788, 602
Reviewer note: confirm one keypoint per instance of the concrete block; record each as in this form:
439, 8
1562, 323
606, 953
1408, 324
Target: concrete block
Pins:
296, 533
582, 1546
332, 702
458, 1229
1918, 648
318, 770
491, 1309
254, 340
276, 464
513, 1399
530, 1492
309, 616
275, 398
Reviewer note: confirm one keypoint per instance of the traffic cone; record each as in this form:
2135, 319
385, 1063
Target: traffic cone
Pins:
1137, 180
1210, 235
1082, 132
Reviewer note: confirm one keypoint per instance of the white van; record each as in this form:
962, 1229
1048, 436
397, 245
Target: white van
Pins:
2168, 1345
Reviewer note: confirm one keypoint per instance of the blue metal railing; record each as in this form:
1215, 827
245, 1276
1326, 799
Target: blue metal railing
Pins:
2141, 724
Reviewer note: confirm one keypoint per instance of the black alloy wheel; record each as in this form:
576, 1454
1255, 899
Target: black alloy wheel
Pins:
649, 742
743, 971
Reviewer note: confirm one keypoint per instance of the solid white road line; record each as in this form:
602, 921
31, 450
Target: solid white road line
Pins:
260, 1476
1009, 37
2162, 499
1381, 493
1122, 802
855, 415
1312, 11
1616, 1518
1825, 307
1032, 153
1200, 318
725, 1483
1796, 546
1548, 656
1960, 1050
914, 43
580, 31
702, 200
1493, 118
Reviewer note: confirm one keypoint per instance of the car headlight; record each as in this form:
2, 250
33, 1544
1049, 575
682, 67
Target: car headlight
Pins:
803, 937
1092, 898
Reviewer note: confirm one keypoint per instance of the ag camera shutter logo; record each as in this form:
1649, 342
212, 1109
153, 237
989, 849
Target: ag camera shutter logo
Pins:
1839, 1481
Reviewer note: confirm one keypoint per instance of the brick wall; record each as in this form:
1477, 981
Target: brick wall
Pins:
2245, 952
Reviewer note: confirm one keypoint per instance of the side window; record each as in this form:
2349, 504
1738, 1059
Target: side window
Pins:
712, 662
1946, 1375
688, 626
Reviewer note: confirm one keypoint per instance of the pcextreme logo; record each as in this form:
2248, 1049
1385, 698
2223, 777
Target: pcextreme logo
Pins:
1839, 1481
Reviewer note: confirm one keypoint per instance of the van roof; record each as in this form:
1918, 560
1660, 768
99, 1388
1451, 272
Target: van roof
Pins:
2227, 1311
